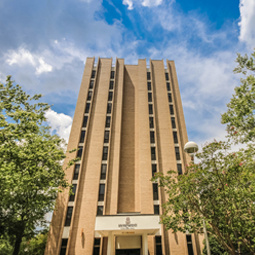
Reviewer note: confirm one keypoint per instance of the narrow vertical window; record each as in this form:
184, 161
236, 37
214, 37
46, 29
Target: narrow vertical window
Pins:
152, 137
89, 95
93, 75
108, 121
110, 96
79, 152
112, 74
72, 196
153, 153
101, 192
96, 250
150, 109
148, 75
175, 137
168, 86
149, 97
158, 244
189, 244
105, 153
154, 169
109, 108
173, 122
76, 172
171, 107
82, 137
155, 191
170, 98
106, 136
100, 210
149, 85
151, 122
179, 169
103, 171
91, 84
156, 209
85, 120
177, 153
63, 246
167, 76
87, 108
69, 216
111, 84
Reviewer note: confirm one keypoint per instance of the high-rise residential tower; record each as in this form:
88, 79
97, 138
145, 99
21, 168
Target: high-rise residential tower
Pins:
128, 124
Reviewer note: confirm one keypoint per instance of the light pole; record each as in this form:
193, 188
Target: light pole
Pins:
191, 148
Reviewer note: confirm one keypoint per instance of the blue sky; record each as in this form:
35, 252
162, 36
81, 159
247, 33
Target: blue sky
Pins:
44, 45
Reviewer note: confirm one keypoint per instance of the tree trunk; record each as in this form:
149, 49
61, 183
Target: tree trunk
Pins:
17, 243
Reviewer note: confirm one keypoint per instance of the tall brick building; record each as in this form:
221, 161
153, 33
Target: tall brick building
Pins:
128, 124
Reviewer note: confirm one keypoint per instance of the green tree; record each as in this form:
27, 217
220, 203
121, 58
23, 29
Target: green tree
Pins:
221, 188
31, 173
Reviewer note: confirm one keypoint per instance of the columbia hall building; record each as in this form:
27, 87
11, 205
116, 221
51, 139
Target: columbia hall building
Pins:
128, 124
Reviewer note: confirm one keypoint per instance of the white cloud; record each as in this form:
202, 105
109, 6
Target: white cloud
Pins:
247, 22
150, 3
60, 123
146, 3
43, 67
129, 3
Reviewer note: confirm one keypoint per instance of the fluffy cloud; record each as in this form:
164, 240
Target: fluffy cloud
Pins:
60, 123
147, 3
150, 3
129, 3
247, 22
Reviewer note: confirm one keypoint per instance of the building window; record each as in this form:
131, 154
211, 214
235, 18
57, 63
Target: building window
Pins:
72, 196
148, 75
111, 84
179, 169
158, 245
83, 132
103, 171
156, 209
151, 122
93, 75
170, 98
171, 107
175, 137
153, 153
69, 215
155, 191
79, 152
91, 84
110, 96
101, 192
152, 137
177, 153
100, 210
109, 108
173, 122
149, 97
168, 86
76, 172
63, 246
112, 74
189, 244
167, 76
85, 120
149, 85
154, 169
87, 108
150, 109
96, 250
108, 121
105, 153
89, 95
106, 136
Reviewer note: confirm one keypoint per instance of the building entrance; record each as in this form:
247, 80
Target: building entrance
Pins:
128, 252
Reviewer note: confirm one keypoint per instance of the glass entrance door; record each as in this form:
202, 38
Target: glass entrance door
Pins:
128, 252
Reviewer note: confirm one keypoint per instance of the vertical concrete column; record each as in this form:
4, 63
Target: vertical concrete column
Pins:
145, 244
110, 244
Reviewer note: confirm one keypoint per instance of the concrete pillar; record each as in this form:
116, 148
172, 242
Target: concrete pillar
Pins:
145, 244
110, 244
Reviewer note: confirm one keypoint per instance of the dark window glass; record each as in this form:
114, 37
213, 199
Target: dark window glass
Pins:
175, 137
158, 239
151, 122
91, 84
152, 137
105, 153
96, 241
148, 75
89, 95
101, 192
93, 74
168, 86
69, 215
63, 246
96, 250
153, 153
171, 107
79, 152
108, 121
150, 109
72, 196
83, 132
85, 120
149, 85
112, 74
149, 97
100, 210
189, 244
111, 84
87, 108
109, 108
170, 98
103, 171
154, 169
179, 169
167, 76
155, 191
76, 172
177, 153
173, 122
110, 96
158, 245
106, 136
156, 209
